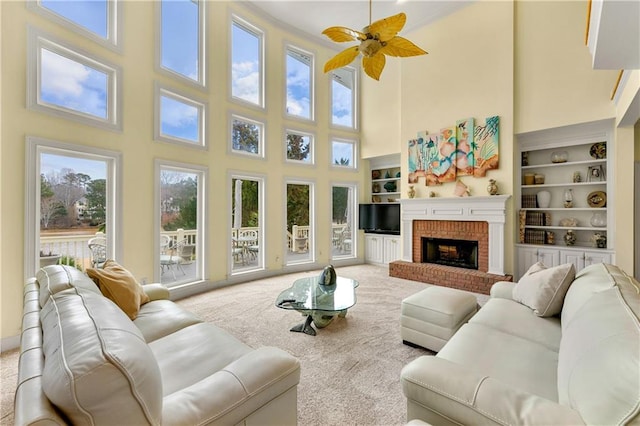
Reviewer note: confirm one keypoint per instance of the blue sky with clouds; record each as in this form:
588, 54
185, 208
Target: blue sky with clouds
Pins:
73, 85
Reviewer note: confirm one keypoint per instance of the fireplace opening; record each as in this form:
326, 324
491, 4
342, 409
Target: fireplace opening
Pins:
443, 251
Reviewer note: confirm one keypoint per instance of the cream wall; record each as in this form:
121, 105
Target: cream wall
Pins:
538, 76
139, 150
467, 73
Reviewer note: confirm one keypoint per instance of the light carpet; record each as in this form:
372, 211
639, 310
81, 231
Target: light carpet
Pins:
350, 371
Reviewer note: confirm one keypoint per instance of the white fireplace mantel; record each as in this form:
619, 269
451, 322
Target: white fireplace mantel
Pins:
490, 209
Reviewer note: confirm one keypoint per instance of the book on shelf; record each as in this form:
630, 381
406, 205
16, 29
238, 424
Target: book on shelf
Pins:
529, 201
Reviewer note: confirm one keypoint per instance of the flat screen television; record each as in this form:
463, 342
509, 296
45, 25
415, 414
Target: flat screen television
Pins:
379, 218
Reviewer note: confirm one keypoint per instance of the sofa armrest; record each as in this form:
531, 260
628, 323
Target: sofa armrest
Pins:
156, 291
502, 290
466, 397
238, 390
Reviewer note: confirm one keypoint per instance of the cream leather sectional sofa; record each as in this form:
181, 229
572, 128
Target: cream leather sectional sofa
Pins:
83, 361
509, 366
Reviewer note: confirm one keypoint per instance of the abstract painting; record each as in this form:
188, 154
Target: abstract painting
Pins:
485, 152
464, 150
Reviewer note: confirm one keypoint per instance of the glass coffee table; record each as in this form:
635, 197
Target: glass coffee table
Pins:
320, 303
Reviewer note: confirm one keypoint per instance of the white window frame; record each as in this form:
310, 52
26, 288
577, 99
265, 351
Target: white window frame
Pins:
114, 23
179, 96
201, 82
312, 220
260, 34
261, 144
38, 40
312, 82
201, 265
354, 225
354, 143
354, 99
312, 143
35, 146
262, 241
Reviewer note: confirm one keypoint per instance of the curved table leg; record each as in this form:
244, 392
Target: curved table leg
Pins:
305, 328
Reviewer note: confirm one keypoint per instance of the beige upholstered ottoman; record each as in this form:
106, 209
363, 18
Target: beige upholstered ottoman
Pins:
430, 317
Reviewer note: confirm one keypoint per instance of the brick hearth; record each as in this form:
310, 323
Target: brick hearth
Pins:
479, 281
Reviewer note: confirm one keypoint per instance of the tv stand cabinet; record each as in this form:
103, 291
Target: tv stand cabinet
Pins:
381, 248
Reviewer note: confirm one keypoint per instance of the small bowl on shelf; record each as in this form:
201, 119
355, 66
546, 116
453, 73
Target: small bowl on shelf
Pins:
559, 156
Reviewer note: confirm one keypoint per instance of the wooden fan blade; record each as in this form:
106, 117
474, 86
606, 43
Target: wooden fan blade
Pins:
342, 34
387, 28
401, 47
374, 65
341, 59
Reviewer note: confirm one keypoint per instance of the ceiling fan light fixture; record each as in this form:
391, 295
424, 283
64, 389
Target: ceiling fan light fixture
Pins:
376, 40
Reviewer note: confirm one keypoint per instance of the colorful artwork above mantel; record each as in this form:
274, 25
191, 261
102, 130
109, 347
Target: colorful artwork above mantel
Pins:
465, 149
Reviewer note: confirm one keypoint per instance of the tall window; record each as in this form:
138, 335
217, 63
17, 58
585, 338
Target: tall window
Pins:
343, 223
247, 65
343, 97
66, 83
179, 118
300, 81
247, 245
299, 147
180, 249
343, 153
300, 232
182, 38
72, 196
247, 136
95, 19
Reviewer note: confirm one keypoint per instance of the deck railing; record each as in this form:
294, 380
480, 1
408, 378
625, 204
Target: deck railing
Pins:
74, 249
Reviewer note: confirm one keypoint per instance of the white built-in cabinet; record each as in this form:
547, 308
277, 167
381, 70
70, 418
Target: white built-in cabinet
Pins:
555, 157
382, 248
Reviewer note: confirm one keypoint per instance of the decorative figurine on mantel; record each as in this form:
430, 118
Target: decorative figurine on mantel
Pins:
492, 188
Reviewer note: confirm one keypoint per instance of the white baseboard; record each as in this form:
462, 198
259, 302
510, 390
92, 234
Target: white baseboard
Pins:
8, 343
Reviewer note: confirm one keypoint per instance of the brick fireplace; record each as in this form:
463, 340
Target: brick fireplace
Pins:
478, 219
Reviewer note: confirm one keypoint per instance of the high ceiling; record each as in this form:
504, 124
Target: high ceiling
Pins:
312, 16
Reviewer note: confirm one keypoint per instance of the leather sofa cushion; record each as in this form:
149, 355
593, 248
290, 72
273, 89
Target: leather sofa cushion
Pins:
161, 318
55, 278
204, 345
98, 368
599, 357
511, 359
513, 318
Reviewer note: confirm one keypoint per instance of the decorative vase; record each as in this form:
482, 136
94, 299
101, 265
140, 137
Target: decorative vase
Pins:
568, 198
411, 192
577, 177
599, 220
570, 238
375, 187
544, 199
390, 186
492, 188
599, 240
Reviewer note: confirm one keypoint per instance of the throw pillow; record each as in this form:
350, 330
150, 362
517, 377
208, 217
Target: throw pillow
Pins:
543, 289
119, 285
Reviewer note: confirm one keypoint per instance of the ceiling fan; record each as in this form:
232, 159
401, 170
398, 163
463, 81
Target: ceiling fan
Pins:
376, 40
